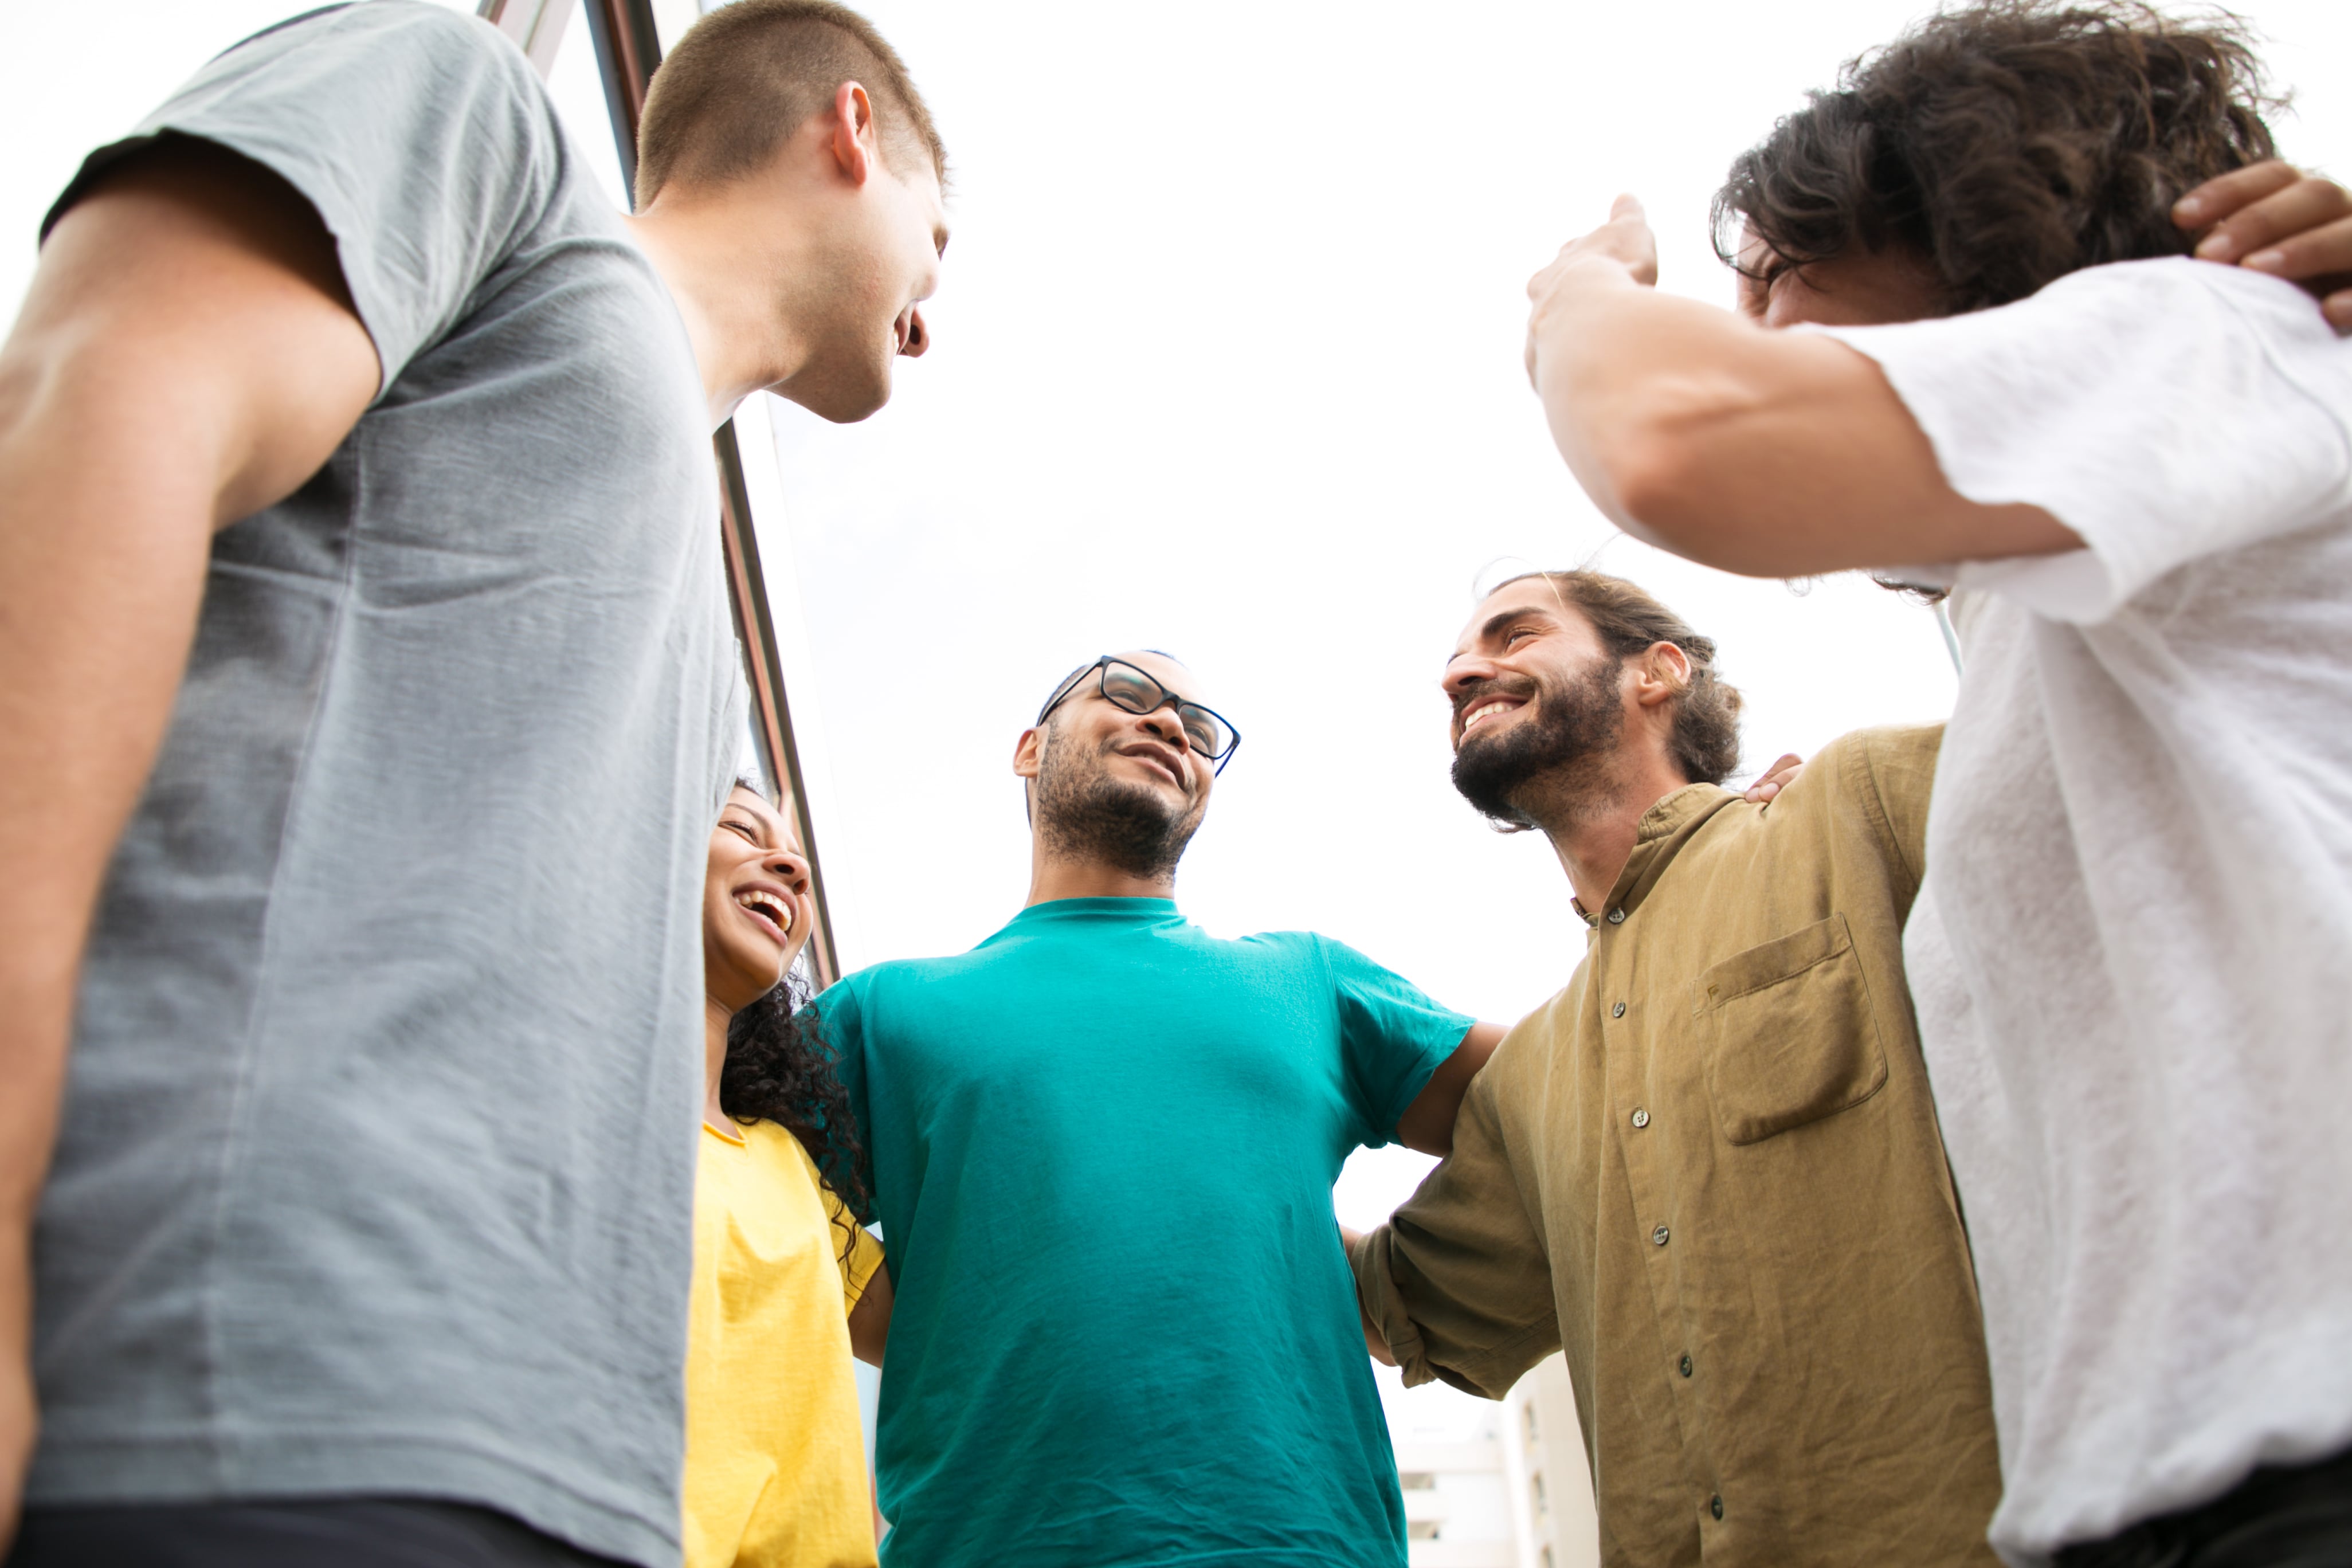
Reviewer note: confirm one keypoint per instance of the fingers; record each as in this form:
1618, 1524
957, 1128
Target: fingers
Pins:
2297, 231
1775, 778
2218, 197
2320, 250
2337, 308
1624, 207
2273, 218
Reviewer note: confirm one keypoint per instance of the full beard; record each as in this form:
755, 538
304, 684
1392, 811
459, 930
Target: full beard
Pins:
1564, 745
1084, 814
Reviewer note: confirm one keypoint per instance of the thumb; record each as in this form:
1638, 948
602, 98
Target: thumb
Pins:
1626, 206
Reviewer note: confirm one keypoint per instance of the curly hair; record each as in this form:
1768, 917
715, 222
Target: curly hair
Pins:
780, 1069
2007, 143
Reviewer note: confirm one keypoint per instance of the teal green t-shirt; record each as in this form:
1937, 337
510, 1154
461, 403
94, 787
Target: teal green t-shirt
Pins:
1124, 1330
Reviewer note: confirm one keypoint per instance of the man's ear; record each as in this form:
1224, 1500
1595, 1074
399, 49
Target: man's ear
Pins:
1662, 674
855, 147
1027, 751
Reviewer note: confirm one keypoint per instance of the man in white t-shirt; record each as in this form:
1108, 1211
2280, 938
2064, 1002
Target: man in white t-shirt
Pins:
2133, 948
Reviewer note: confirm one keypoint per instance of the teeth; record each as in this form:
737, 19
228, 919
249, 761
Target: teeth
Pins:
768, 904
1487, 711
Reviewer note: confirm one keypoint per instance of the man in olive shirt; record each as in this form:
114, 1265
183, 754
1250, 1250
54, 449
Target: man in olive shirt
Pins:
1708, 1169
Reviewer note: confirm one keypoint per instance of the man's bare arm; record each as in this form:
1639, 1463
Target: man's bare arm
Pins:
1772, 454
1427, 1123
186, 355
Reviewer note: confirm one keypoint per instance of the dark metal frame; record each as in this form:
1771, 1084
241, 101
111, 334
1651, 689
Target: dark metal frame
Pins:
1102, 667
628, 49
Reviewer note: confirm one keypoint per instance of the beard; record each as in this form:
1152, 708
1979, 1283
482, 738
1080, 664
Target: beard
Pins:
1576, 726
1084, 814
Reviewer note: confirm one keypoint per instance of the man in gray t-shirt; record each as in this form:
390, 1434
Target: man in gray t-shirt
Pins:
355, 474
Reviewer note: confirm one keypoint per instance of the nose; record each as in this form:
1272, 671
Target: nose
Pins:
918, 336
1462, 674
792, 869
1164, 724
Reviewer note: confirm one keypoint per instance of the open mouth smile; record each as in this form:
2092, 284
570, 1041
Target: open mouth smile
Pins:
1488, 710
769, 908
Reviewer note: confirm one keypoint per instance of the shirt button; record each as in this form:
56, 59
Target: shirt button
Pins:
1685, 1366
1640, 1117
1658, 1236
1616, 917
1715, 1505
1618, 1011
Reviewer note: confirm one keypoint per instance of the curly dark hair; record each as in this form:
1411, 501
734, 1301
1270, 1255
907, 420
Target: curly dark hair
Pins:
2007, 143
780, 1069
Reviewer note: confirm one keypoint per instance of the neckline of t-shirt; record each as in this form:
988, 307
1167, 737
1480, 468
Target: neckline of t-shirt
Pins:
736, 1140
1134, 910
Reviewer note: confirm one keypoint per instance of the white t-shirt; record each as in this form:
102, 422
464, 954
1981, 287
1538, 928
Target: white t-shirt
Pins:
2132, 955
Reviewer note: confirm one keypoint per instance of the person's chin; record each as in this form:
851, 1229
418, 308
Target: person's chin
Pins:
846, 399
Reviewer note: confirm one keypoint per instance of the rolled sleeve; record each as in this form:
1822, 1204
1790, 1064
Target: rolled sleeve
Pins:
1458, 1281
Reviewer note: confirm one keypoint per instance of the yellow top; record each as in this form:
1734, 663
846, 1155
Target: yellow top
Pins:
775, 1459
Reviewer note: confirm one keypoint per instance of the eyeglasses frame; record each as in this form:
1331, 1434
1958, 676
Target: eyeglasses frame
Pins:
1101, 667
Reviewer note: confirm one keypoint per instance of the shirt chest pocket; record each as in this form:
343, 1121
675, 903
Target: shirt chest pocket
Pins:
1786, 1033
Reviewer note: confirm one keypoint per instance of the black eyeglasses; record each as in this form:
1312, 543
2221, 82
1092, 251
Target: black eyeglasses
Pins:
1124, 686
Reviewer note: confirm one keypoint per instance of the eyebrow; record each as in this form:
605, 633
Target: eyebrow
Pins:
1497, 623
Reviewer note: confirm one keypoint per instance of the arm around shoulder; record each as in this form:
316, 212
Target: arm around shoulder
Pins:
1457, 1284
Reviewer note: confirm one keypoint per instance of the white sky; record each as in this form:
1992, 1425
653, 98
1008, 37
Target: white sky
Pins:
1227, 363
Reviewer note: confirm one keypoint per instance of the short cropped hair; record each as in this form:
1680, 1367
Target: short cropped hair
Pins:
748, 75
1705, 740
2007, 142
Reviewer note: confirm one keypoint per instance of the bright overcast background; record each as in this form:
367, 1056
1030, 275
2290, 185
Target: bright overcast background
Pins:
1227, 363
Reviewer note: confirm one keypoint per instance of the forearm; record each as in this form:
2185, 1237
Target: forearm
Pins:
1769, 454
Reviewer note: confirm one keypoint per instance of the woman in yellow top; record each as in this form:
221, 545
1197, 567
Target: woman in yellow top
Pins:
786, 1282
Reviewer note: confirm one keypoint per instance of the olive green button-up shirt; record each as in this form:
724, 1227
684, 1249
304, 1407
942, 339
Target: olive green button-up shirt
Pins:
1709, 1170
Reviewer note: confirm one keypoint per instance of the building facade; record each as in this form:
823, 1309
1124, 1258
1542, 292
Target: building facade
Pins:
1490, 1485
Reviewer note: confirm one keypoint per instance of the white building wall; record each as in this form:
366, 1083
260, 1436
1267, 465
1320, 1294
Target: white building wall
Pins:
1493, 1485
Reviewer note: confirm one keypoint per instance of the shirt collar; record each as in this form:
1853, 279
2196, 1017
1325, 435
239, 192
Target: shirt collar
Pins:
1662, 831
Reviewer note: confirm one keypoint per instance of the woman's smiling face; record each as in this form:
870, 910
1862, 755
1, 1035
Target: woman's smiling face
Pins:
756, 905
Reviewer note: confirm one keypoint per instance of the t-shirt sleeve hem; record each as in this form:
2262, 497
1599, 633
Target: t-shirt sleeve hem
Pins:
857, 1269
2154, 409
95, 167
1434, 1053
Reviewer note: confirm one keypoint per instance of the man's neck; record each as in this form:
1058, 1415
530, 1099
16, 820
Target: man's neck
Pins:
1593, 825
1055, 876
728, 293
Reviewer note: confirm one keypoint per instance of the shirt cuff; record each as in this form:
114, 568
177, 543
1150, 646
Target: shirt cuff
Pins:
1368, 1255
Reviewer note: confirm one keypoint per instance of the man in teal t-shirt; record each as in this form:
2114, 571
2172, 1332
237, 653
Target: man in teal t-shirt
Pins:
1103, 1145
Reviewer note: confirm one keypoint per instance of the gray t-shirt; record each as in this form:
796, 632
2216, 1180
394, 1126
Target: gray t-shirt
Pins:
377, 1169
